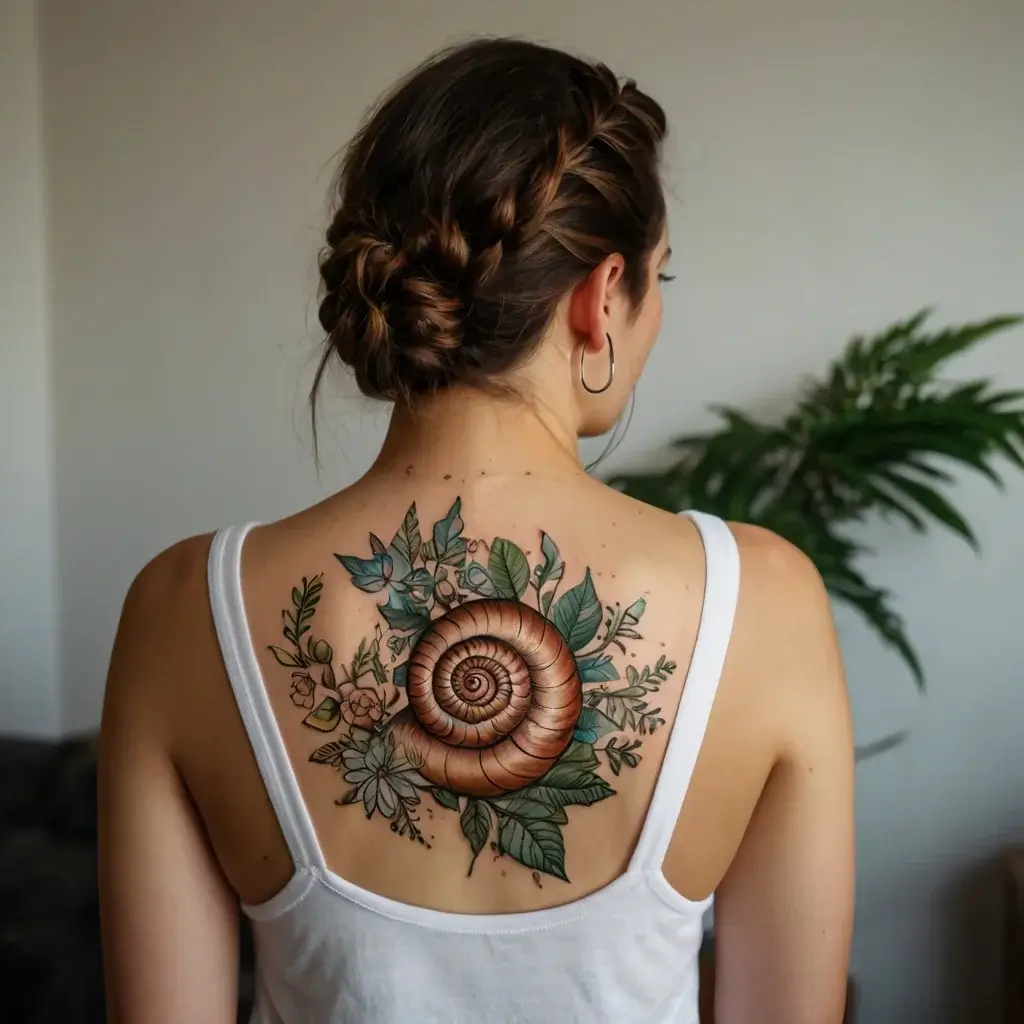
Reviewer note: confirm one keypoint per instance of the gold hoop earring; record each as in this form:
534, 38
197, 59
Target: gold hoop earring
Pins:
611, 370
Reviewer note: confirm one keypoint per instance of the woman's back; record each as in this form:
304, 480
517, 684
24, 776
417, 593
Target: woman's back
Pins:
437, 733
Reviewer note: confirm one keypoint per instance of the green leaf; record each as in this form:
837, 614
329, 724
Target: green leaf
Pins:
634, 613
449, 544
326, 715
861, 478
286, 658
570, 782
582, 795
368, 574
477, 579
407, 540
596, 668
846, 584
476, 827
445, 797
580, 755
618, 757
553, 566
615, 708
404, 614
509, 569
631, 691
614, 759
577, 614
304, 601
933, 503
622, 625
592, 725
526, 805
534, 843
330, 753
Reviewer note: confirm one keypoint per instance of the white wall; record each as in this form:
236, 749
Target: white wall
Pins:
29, 633
836, 166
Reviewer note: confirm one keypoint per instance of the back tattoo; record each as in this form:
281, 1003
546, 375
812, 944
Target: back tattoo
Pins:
489, 689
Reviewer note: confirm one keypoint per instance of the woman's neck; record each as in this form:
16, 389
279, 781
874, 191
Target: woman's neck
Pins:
462, 430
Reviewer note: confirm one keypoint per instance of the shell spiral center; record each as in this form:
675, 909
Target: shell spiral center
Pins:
494, 695
479, 691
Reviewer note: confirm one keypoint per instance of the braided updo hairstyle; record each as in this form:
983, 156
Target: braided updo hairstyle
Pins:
487, 184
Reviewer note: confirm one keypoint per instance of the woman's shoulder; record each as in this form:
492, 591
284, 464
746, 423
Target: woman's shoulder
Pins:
170, 575
165, 628
782, 592
167, 600
770, 564
770, 559
784, 657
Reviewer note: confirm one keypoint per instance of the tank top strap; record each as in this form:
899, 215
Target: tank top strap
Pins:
224, 576
721, 591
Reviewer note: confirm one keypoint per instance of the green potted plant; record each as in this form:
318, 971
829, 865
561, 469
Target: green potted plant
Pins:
876, 435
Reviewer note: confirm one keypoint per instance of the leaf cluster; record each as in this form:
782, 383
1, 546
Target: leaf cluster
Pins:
878, 434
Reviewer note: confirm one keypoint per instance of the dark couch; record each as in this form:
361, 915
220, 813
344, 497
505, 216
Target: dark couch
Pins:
50, 961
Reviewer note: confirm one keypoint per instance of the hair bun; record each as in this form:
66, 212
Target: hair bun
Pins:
394, 313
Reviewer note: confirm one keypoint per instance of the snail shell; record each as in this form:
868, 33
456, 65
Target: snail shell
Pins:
494, 696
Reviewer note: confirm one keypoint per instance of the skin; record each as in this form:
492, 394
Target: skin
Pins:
186, 830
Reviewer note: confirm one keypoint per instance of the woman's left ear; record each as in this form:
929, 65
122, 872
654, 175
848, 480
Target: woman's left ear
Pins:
593, 300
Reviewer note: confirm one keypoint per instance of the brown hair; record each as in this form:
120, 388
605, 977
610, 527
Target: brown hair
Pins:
487, 184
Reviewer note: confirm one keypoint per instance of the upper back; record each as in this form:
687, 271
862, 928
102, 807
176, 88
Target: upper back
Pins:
335, 601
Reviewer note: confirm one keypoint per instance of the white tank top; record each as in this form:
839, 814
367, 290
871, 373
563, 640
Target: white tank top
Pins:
330, 951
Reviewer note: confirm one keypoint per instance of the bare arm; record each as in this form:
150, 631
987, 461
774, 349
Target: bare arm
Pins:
784, 912
170, 923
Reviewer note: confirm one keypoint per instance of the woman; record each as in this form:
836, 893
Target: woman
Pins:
477, 738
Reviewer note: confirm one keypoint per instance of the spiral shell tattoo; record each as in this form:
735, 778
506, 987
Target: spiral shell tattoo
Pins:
495, 696
489, 690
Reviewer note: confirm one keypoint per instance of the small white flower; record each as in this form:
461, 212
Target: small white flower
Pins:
383, 778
